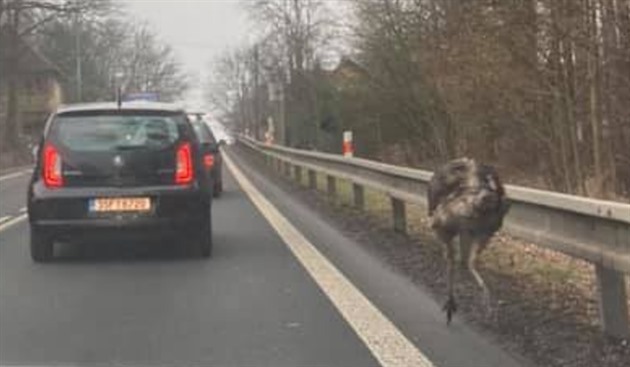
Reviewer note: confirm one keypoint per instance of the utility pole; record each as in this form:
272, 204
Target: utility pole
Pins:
118, 81
77, 46
276, 96
256, 101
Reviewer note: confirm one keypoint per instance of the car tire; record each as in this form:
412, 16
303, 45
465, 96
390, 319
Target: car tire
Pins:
205, 239
41, 246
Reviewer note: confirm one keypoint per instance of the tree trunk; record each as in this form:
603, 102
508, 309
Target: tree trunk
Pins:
558, 115
568, 86
577, 134
594, 116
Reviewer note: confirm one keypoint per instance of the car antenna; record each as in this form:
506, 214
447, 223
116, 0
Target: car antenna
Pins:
118, 97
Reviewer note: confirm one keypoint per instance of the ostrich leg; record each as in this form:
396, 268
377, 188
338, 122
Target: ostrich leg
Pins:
465, 243
450, 307
476, 247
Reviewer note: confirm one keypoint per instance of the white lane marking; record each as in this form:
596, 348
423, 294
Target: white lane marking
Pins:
15, 174
11, 175
4, 219
388, 345
13, 221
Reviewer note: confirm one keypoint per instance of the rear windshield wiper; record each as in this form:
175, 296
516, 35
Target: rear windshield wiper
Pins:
130, 147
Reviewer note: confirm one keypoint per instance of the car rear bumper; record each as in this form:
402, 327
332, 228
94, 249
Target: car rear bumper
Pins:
110, 228
117, 223
66, 211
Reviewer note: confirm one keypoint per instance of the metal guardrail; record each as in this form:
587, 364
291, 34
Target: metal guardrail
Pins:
597, 231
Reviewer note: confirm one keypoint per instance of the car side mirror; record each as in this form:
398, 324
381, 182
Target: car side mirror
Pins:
212, 147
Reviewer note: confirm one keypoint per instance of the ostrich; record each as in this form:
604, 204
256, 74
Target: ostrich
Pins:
466, 200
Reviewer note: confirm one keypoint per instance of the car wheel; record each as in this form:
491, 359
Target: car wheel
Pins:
205, 239
41, 246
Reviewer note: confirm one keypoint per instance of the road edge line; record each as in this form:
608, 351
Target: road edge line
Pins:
384, 340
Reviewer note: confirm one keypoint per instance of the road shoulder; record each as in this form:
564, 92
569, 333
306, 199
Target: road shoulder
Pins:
409, 306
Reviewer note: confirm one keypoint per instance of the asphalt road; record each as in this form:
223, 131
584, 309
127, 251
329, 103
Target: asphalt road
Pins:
13, 193
252, 304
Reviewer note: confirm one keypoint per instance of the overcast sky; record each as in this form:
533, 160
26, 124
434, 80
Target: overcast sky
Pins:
198, 31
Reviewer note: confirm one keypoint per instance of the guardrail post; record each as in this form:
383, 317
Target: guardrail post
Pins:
298, 174
331, 185
400, 216
613, 307
287, 169
279, 165
312, 179
358, 195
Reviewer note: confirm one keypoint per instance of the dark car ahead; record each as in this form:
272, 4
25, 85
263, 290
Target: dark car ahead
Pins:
105, 169
209, 148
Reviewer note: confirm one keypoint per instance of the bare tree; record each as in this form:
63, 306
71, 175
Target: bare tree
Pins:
294, 32
535, 87
20, 19
88, 51
151, 66
229, 88
481, 77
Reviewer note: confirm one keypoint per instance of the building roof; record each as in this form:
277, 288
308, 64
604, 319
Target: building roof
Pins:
349, 65
113, 106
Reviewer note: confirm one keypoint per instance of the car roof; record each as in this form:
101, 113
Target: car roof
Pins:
204, 125
113, 106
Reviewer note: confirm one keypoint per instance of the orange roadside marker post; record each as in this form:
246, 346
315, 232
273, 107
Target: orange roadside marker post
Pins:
348, 147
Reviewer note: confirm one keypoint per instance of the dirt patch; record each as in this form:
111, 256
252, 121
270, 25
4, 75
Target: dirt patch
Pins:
546, 301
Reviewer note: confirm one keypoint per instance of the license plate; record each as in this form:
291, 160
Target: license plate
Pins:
120, 205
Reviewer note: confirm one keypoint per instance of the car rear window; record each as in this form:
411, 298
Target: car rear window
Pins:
203, 132
114, 132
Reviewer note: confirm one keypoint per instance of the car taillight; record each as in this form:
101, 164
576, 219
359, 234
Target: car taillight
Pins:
52, 167
208, 161
184, 172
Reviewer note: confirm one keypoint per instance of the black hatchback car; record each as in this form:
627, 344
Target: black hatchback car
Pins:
212, 159
105, 169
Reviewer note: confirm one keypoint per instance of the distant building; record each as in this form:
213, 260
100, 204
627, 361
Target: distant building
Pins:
348, 74
38, 89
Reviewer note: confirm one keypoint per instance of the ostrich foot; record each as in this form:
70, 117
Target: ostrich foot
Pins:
492, 311
450, 307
